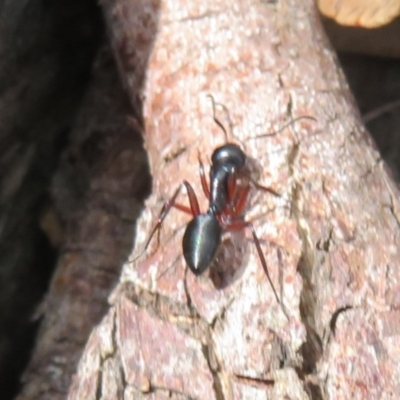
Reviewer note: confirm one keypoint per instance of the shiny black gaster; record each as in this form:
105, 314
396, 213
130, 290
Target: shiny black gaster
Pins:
201, 242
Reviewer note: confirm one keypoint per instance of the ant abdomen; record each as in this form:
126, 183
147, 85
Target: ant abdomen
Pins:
201, 242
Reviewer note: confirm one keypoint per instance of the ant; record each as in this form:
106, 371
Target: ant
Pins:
227, 191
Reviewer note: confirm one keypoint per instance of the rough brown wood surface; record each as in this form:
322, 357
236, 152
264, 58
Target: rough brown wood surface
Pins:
333, 233
96, 189
46, 53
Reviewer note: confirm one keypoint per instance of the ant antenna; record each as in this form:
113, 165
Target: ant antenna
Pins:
216, 120
283, 127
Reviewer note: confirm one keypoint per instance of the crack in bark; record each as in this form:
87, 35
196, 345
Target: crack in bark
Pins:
217, 384
104, 358
312, 349
392, 208
124, 383
99, 383
254, 381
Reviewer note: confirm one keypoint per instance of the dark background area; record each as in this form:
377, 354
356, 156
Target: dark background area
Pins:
48, 49
375, 83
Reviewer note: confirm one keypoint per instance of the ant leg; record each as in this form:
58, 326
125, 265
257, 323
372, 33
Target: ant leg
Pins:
237, 205
241, 200
237, 225
193, 210
194, 204
163, 213
264, 264
204, 184
182, 208
232, 186
264, 188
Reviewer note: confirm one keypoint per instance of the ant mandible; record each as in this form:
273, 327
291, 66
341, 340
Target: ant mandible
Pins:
227, 194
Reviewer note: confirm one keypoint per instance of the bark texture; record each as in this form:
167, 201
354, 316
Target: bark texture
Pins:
46, 51
331, 238
96, 189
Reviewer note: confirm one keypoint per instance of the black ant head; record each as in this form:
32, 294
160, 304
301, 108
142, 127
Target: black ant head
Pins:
229, 155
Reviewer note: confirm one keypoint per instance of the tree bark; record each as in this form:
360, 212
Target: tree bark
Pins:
97, 191
331, 238
47, 49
